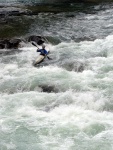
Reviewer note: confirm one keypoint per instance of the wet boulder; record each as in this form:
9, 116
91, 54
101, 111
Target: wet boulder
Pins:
38, 39
9, 44
14, 43
2, 46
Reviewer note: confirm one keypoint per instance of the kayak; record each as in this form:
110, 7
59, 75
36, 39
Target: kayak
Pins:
39, 60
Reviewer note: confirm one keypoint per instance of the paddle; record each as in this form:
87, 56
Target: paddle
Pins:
38, 48
34, 44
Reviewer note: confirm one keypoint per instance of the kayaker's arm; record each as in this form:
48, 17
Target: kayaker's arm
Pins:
38, 50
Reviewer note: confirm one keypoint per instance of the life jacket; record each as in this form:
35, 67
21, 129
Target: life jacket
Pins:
42, 52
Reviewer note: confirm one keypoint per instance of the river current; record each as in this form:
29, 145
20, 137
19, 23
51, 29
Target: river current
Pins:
78, 112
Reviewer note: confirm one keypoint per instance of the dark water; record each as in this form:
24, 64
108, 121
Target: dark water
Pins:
72, 20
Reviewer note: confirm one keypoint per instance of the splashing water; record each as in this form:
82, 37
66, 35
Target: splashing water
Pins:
75, 114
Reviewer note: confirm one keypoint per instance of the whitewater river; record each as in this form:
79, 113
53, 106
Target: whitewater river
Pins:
77, 113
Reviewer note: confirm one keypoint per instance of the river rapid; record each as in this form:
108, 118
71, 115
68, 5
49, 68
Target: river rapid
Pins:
76, 113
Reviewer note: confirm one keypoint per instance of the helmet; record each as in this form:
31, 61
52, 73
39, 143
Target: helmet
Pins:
43, 46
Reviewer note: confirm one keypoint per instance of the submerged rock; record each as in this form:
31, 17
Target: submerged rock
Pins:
48, 88
75, 66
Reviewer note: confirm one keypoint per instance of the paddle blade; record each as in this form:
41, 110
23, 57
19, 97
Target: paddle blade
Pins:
49, 58
34, 44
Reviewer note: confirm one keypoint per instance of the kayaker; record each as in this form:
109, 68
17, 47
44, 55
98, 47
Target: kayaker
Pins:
42, 56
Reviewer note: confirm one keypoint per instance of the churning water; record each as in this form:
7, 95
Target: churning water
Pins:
78, 112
